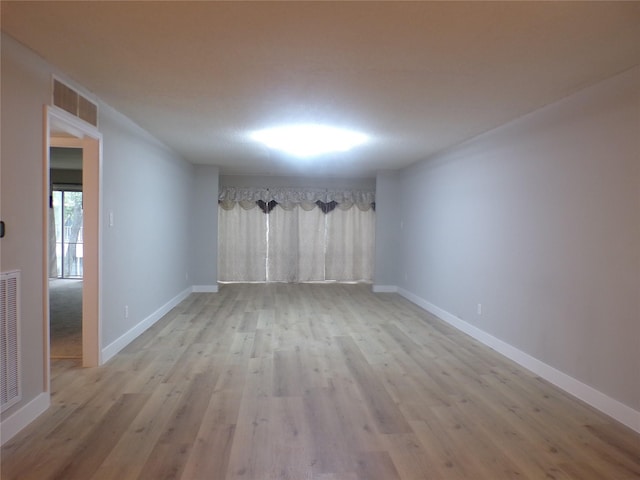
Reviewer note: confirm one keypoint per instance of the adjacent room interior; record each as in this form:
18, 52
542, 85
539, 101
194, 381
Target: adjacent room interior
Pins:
65, 253
320, 240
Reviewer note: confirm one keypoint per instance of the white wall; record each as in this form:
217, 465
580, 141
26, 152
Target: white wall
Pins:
204, 229
539, 221
25, 89
297, 182
388, 227
145, 255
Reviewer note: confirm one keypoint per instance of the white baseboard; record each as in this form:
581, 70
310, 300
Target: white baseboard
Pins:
205, 288
610, 406
22, 417
384, 289
113, 348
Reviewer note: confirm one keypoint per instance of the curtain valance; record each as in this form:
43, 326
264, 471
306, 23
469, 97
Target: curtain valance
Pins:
288, 198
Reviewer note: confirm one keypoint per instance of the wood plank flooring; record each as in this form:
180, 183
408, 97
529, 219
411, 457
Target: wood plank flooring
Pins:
317, 382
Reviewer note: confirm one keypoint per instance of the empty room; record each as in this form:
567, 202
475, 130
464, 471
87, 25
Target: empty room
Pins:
319, 240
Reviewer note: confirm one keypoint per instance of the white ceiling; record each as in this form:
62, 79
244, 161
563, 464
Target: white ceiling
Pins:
418, 77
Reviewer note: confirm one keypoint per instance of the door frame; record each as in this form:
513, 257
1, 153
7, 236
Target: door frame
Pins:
90, 139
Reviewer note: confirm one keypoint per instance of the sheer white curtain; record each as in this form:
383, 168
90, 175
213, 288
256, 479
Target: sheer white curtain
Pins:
242, 244
350, 244
311, 245
283, 245
291, 239
297, 241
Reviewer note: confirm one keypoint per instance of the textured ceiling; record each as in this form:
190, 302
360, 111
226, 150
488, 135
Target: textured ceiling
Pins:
418, 77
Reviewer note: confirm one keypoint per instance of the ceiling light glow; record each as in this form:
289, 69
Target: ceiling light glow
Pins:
309, 140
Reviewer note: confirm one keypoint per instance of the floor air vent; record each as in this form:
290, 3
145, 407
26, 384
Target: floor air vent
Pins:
68, 99
9, 339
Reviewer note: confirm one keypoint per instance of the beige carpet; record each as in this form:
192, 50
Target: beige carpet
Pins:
65, 303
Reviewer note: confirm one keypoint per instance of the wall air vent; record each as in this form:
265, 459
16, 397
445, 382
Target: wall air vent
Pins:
68, 99
9, 339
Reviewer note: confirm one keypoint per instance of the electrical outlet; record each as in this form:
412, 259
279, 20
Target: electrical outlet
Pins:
126, 311
479, 309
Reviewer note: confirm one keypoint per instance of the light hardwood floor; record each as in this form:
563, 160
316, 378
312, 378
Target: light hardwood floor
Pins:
321, 382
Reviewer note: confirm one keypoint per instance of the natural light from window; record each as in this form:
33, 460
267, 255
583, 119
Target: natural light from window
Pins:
310, 140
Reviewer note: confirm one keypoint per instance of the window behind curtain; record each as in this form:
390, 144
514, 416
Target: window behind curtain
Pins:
242, 246
296, 244
350, 244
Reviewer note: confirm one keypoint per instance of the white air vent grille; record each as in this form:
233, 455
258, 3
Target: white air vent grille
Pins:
68, 99
9, 339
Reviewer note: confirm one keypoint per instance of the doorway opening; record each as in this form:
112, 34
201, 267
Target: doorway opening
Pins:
72, 166
66, 252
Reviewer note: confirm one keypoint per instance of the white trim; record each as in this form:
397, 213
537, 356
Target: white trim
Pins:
92, 235
113, 348
22, 417
81, 127
204, 289
610, 406
384, 289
